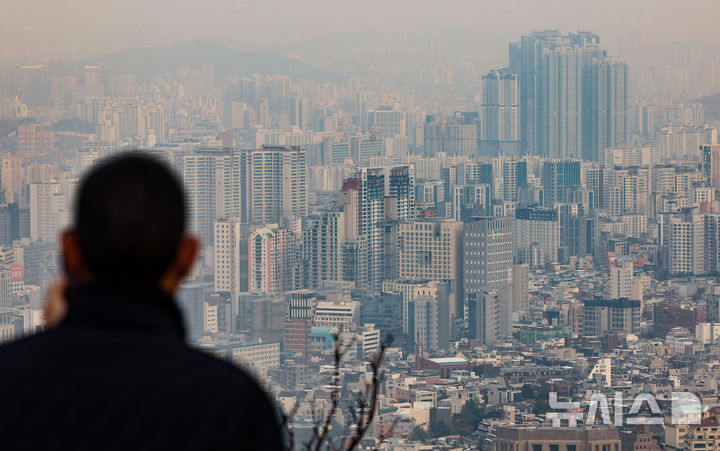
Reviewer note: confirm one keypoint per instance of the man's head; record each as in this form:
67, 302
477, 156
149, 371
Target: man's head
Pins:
129, 226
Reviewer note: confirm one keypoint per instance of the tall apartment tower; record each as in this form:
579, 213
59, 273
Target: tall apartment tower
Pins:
484, 317
573, 99
499, 131
559, 178
536, 235
432, 250
683, 243
271, 260
521, 289
401, 188
230, 256
461, 139
11, 177
362, 198
433, 137
50, 209
323, 240
604, 104
487, 253
213, 184
550, 69
621, 279
275, 180
515, 176
488, 268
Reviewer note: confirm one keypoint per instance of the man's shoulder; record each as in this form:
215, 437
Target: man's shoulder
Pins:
222, 370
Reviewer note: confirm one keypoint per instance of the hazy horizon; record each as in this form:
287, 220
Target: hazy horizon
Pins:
45, 29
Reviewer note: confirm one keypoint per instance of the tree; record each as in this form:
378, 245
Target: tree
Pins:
527, 392
418, 434
362, 409
439, 429
471, 413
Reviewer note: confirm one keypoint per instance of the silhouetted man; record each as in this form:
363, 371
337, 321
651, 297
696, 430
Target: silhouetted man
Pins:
115, 372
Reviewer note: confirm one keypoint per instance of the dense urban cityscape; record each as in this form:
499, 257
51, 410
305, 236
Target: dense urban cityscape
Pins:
522, 243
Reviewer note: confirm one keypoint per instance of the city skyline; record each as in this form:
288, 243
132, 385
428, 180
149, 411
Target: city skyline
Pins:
513, 226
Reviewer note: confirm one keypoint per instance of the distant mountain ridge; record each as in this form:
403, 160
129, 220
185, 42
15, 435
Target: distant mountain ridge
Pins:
148, 62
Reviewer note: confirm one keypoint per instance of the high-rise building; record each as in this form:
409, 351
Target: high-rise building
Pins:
402, 190
682, 243
11, 177
484, 317
428, 319
621, 279
559, 178
275, 182
604, 105
499, 131
386, 121
362, 198
460, 139
432, 250
14, 224
627, 191
550, 95
213, 183
573, 99
433, 137
488, 268
323, 239
515, 175
50, 209
230, 251
487, 253
536, 236
520, 291
271, 260
423, 324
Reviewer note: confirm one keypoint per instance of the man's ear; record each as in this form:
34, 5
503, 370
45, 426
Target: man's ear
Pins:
182, 265
72, 257
188, 251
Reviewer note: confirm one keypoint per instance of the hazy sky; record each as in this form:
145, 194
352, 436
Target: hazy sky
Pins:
71, 28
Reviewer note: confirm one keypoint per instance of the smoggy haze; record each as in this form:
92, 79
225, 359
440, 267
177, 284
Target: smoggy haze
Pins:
53, 29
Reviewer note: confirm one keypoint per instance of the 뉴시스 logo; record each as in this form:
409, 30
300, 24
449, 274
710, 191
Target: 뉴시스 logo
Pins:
685, 409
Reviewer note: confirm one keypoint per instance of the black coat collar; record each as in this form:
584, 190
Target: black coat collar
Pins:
94, 305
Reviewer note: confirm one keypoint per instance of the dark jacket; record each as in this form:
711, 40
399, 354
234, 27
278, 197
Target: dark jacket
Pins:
116, 374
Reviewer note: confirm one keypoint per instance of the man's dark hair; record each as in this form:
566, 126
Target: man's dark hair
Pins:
130, 218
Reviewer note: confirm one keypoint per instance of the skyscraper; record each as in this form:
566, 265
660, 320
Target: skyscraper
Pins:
271, 260
604, 104
487, 253
515, 174
484, 317
550, 69
499, 130
212, 178
559, 178
536, 235
432, 250
433, 136
488, 268
230, 252
275, 183
573, 99
362, 198
402, 191
460, 139
323, 239
11, 177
